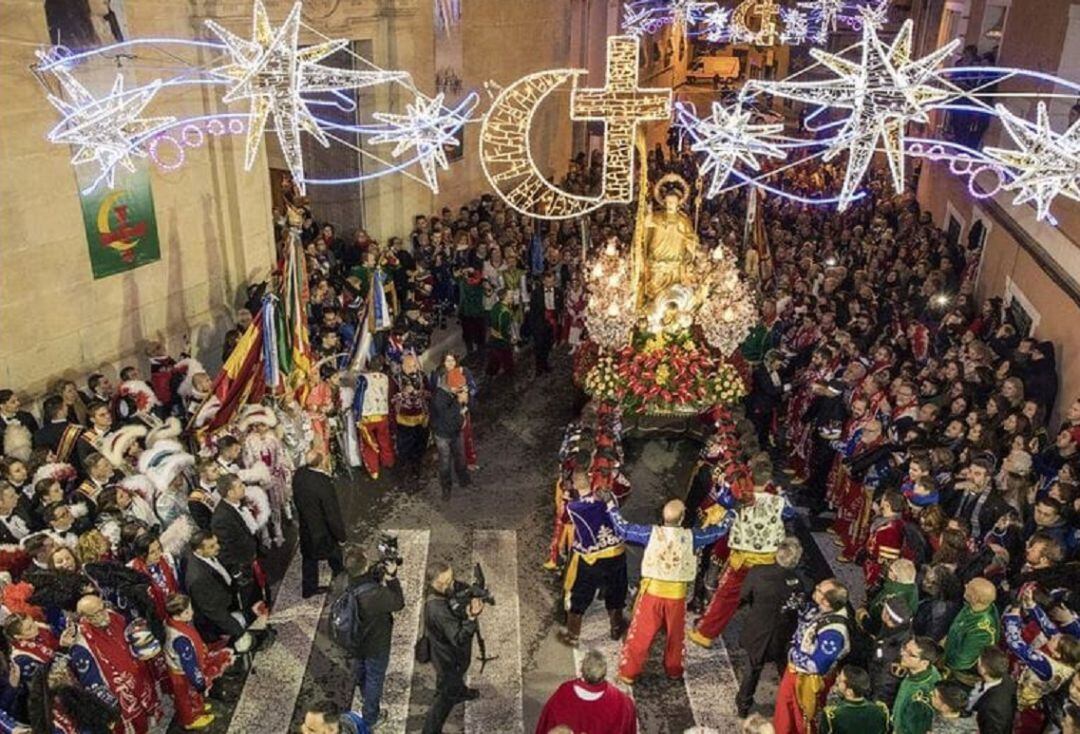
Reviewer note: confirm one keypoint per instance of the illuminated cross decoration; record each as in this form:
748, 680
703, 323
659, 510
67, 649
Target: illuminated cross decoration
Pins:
620, 105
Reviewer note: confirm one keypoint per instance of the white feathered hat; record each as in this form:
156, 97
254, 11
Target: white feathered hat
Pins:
115, 444
189, 367
170, 428
140, 393
18, 443
162, 463
57, 470
256, 415
141, 485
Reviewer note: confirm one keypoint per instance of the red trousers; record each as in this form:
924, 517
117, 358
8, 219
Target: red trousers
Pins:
789, 717
724, 602
1029, 721
650, 614
470, 444
376, 445
189, 702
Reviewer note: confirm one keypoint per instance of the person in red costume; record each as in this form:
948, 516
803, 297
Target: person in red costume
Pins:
105, 665
193, 667
589, 704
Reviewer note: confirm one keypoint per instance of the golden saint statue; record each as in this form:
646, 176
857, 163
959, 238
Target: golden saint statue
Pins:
669, 247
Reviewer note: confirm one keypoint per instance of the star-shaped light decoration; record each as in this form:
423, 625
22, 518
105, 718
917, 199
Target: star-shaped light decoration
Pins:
107, 131
425, 128
875, 14
716, 24
728, 137
826, 12
1045, 163
272, 71
796, 26
884, 92
640, 20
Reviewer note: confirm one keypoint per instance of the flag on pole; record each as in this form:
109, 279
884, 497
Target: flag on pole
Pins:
242, 379
294, 351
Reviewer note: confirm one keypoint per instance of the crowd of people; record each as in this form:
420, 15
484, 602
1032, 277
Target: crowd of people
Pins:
910, 422
913, 426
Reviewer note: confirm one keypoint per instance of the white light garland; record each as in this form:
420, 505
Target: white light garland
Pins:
425, 127
1046, 164
107, 131
884, 92
728, 137
272, 71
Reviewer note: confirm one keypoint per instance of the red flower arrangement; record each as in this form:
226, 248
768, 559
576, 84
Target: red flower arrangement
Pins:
659, 375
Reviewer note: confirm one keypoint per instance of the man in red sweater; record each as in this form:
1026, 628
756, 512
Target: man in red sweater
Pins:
589, 704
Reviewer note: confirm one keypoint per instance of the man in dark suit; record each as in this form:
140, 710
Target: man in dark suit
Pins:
322, 530
977, 502
993, 699
55, 424
11, 413
545, 310
213, 592
769, 623
233, 525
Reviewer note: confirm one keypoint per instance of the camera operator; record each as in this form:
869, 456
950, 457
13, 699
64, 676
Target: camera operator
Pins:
378, 595
449, 631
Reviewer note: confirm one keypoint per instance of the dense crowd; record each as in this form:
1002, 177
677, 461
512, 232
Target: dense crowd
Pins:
913, 424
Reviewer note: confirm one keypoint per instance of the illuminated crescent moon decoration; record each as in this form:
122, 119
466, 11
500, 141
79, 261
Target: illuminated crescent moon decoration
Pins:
506, 153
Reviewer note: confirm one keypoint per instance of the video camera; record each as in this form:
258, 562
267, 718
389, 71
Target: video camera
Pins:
465, 593
389, 553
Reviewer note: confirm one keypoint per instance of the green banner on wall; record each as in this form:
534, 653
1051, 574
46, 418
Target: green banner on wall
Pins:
121, 230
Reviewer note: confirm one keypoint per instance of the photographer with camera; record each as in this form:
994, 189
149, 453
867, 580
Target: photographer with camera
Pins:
450, 623
361, 619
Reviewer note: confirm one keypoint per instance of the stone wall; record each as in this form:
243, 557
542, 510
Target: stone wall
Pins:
213, 222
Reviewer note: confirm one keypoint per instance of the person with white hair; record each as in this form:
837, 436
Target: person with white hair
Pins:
770, 593
589, 704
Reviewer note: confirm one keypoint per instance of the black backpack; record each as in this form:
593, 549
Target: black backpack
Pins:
346, 623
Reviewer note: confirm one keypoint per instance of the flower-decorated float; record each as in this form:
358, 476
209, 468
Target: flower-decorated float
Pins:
664, 319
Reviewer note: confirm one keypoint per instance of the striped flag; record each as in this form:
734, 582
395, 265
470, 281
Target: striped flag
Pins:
294, 344
241, 379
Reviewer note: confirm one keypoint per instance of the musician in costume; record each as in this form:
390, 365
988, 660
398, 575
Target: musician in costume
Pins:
820, 642
759, 512
103, 661
974, 629
262, 447
668, 568
597, 562
160, 567
371, 412
885, 539
852, 713
410, 407
1046, 669
193, 667
862, 470
575, 437
500, 343
913, 709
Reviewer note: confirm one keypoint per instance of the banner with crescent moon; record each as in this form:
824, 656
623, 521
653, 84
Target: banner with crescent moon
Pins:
121, 230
